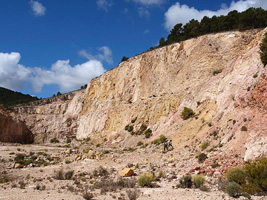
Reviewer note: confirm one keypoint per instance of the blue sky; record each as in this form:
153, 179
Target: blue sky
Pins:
48, 46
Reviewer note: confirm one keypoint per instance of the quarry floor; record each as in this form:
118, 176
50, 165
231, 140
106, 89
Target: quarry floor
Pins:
38, 182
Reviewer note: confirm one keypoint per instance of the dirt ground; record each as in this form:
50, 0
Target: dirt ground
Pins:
83, 166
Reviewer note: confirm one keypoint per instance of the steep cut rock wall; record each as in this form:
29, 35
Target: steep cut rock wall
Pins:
12, 130
155, 86
52, 117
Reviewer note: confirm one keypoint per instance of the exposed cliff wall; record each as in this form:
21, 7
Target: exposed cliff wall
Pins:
155, 87
13, 130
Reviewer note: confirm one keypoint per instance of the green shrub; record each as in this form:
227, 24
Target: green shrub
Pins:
186, 181
236, 175
187, 113
68, 175
217, 71
146, 180
257, 173
148, 133
126, 127
251, 188
244, 194
130, 149
244, 128
255, 75
124, 58
204, 145
160, 140
105, 151
202, 157
198, 180
233, 189
68, 140
130, 129
143, 127
54, 140
133, 120
140, 143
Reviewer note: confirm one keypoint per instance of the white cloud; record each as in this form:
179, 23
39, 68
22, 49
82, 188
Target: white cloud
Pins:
38, 8
106, 55
149, 2
178, 13
147, 31
143, 12
14, 75
65, 76
104, 4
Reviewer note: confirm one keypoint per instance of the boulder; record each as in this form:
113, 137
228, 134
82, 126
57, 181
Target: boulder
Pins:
126, 172
17, 166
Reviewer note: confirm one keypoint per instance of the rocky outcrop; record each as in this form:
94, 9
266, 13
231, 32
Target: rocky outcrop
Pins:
212, 74
13, 130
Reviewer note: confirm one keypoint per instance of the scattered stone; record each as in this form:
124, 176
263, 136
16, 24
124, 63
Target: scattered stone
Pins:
126, 172
17, 166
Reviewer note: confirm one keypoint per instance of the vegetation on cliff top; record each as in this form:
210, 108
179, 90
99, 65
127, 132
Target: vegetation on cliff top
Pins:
11, 98
249, 19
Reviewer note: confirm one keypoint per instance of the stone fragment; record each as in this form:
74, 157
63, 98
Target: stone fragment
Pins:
17, 166
126, 172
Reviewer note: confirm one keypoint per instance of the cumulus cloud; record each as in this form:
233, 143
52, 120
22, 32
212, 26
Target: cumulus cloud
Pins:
38, 8
178, 13
104, 4
106, 55
65, 76
14, 75
149, 2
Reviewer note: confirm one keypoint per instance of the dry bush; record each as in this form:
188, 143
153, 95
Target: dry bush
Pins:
87, 195
101, 171
109, 185
198, 180
59, 175
133, 194
146, 180
22, 184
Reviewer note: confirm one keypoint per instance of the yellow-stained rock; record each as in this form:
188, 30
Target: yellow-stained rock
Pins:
17, 166
126, 172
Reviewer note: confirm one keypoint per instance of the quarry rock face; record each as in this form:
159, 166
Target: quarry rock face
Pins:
13, 130
219, 76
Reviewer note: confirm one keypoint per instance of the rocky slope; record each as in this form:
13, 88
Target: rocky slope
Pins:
155, 86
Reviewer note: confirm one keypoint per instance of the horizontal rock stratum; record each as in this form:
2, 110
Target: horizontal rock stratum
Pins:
219, 76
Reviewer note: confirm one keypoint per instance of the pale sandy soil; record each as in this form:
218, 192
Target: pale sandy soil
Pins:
173, 165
